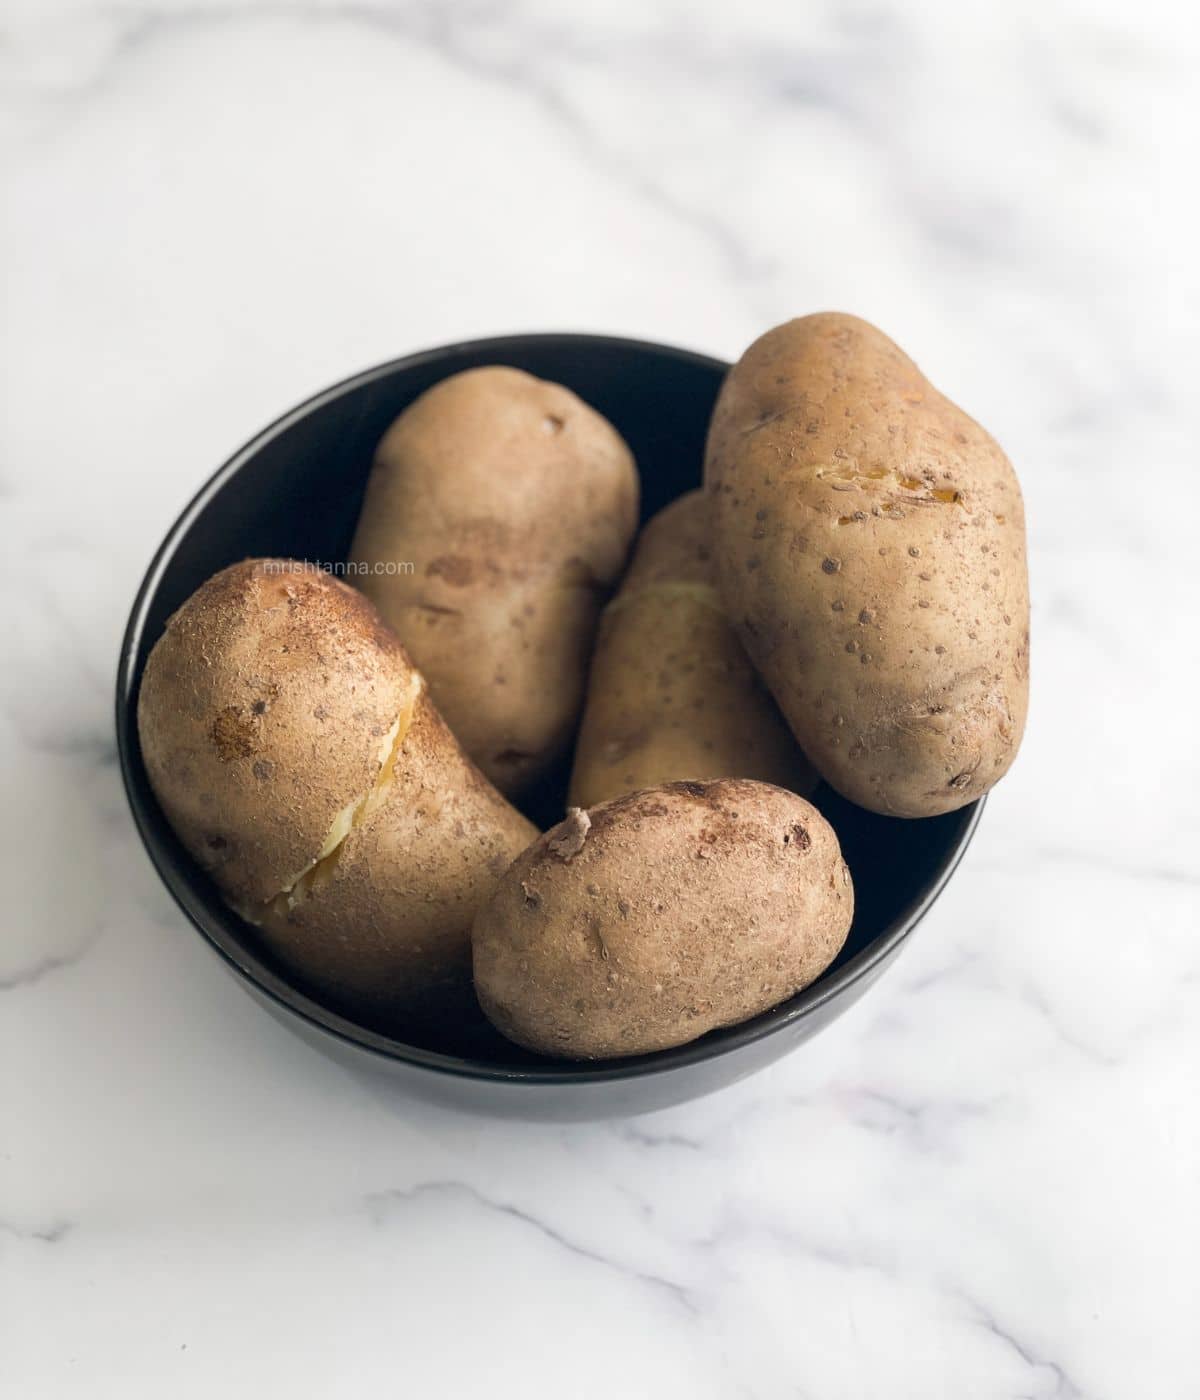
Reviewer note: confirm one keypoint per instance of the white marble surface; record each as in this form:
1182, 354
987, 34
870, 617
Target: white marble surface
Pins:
985, 1180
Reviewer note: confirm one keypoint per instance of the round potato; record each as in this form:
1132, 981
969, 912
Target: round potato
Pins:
671, 692
499, 510
870, 548
298, 757
659, 916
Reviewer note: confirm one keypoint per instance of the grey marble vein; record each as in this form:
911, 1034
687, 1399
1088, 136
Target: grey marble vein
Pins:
436, 27
46, 966
52, 1233
1064, 1387
379, 1203
635, 1132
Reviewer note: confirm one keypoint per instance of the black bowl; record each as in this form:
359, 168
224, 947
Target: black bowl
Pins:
295, 490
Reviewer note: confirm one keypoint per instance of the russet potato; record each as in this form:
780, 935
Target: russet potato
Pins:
870, 547
513, 504
652, 919
671, 692
297, 754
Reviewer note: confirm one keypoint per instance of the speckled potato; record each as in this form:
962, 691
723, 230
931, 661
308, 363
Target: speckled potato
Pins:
671, 693
298, 757
514, 503
870, 547
659, 916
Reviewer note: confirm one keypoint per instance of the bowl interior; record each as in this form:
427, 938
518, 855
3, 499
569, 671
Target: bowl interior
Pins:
295, 491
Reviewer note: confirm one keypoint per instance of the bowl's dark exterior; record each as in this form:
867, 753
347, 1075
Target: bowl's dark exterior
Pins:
295, 490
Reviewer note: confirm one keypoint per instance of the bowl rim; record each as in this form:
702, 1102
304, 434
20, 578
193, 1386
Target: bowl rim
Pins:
264, 981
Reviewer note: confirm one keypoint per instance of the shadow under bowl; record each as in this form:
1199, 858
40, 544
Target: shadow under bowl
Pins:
295, 491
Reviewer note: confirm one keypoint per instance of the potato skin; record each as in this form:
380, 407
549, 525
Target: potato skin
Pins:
390, 930
659, 916
515, 502
870, 547
275, 700
671, 693
261, 710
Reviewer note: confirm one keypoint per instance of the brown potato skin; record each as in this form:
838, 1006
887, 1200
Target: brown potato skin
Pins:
261, 710
392, 928
516, 504
677, 910
870, 546
386, 936
671, 693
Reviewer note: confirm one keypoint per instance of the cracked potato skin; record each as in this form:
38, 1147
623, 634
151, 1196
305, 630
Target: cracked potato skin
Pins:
671, 692
659, 916
516, 503
261, 709
870, 546
263, 714
388, 936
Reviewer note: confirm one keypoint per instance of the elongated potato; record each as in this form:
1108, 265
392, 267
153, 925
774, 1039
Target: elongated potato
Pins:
298, 757
514, 504
671, 693
870, 547
659, 916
